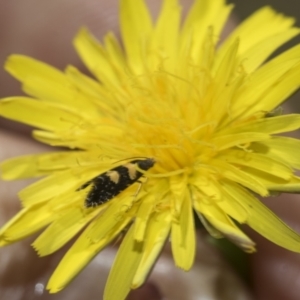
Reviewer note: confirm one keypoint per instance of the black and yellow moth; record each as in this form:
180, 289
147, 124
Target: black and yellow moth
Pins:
111, 183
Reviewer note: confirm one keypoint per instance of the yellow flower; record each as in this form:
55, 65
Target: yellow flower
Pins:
203, 112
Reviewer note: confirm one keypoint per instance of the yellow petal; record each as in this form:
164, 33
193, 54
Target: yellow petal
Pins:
62, 230
38, 114
183, 235
281, 148
142, 218
96, 236
257, 54
43, 164
147, 206
25, 223
273, 183
204, 14
225, 141
105, 222
227, 66
178, 186
240, 176
56, 184
58, 161
47, 188
80, 254
287, 85
281, 90
90, 91
165, 35
225, 70
124, 268
95, 58
116, 54
213, 190
23, 67
218, 219
158, 229
136, 28
264, 221
271, 125
214, 232
224, 110
36, 216
261, 82
270, 24
257, 161
87, 139
206, 186
48, 84
21, 167
87, 85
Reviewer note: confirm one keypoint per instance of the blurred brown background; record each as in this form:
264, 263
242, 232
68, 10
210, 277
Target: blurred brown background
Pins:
289, 7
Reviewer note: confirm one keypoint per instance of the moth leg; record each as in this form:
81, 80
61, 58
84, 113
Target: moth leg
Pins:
139, 187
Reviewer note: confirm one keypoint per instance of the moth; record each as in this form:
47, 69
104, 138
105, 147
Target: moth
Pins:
111, 183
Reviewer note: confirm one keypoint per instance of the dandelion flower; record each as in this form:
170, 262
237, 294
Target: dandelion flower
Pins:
203, 113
